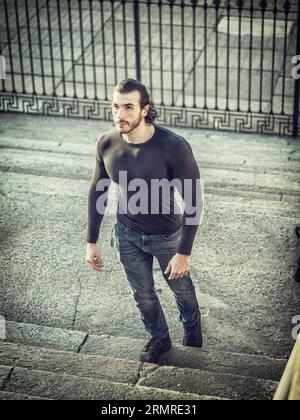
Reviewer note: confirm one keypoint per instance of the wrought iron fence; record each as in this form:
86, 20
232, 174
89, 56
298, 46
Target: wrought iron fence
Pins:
222, 64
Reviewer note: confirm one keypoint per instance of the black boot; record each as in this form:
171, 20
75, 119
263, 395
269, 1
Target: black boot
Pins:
154, 349
193, 337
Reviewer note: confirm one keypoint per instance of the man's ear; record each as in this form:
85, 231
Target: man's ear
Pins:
146, 110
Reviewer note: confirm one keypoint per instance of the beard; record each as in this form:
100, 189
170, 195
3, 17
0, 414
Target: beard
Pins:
128, 127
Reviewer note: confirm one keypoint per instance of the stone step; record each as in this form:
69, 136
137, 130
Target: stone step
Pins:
61, 386
243, 259
6, 396
229, 386
33, 365
16, 124
53, 180
200, 142
197, 138
254, 366
85, 132
59, 141
15, 181
126, 348
75, 167
47, 129
71, 363
250, 157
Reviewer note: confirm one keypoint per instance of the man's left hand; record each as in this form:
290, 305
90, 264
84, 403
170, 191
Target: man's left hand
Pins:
178, 266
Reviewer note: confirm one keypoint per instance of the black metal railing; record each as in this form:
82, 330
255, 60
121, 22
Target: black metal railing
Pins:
222, 64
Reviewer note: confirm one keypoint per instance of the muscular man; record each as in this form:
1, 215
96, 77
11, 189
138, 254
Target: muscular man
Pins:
138, 152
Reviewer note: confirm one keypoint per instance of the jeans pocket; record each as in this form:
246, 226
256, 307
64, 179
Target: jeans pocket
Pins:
120, 227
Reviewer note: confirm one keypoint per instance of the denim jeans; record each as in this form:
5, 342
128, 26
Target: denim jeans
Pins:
136, 251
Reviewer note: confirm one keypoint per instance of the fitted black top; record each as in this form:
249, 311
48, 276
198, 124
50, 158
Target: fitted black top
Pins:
137, 169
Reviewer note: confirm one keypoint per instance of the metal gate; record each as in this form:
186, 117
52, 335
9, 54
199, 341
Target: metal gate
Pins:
221, 64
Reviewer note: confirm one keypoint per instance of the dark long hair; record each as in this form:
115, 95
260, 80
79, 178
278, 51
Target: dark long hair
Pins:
129, 85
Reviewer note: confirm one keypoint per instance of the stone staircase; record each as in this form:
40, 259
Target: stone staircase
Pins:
52, 363
77, 334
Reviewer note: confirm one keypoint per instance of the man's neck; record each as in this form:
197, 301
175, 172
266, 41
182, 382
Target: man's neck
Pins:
140, 136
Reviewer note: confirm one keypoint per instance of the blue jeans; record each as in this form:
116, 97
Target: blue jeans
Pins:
136, 251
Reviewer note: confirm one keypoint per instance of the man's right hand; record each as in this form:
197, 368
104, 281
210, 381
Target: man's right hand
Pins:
93, 257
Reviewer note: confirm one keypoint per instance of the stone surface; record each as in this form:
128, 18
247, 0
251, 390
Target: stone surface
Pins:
21, 342
114, 346
90, 366
69, 387
6, 396
232, 363
42, 336
229, 363
4, 373
229, 386
244, 257
244, 254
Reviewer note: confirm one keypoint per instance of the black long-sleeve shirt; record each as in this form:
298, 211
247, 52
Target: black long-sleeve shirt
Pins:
165, 156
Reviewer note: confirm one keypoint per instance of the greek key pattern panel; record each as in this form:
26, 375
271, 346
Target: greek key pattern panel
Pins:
55, 106
241, 122
170, 116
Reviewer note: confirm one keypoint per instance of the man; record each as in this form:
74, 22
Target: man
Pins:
146, 153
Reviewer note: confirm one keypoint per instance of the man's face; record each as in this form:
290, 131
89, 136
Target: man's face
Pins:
126, 110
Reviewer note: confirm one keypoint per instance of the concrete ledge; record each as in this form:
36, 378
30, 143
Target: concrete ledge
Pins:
42, 336
115, 371
256, 177
91, 366
195, 381
128, 349
68, 387
179, 356
5, 396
